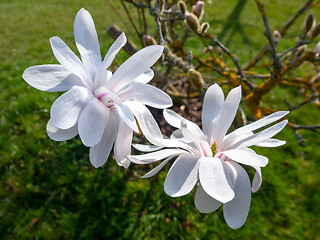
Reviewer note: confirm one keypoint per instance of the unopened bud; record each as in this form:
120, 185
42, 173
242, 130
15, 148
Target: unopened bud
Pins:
277, 35
317, 49
195, 79
161, 6
182, 6
240, 119
173, 8
301, 50
309, 22
315, 79
208, 49
198, 9
148, 40
193, 22
204, 27
315, 31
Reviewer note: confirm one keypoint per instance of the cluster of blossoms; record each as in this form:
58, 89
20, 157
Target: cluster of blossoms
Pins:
105, 108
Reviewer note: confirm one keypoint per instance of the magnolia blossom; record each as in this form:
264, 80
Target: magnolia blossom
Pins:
211, 157
98, 105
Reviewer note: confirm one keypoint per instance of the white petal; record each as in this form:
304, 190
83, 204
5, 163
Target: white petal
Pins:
191, 131
155, 156
155, 170
146, 94
58, 134
51, 78
229, 143
222, 122
204, 203
145, 77
122, 145
257, 179
182, 176
146, 148
126, 115
236, 211
261, 136
65, 111
212, 103
215, 179
92, 122
137, 64
99, 153
87, 41
246, 157
172, 118
271, 143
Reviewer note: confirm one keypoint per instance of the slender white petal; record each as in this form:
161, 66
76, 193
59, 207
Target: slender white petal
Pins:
51, 78
156, 156
236, 211
271, 143
257, 179
65, 111
92, 122
58, 134
155, 170
229, 143
137, 64
246, 157
105, 96
146, 148
172, 118
182, 176
222, 122
87, 41
122, 145
126, 115
101, 79
212, 104
204, 203
145, 77
215, 179
146, 94
191, 131
261, 136
99, 153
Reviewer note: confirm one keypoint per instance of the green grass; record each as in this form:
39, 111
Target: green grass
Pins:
49, 190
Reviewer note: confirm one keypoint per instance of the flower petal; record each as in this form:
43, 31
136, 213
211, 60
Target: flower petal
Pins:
249, 158
145, 77
215, 179
99, 153
126, 115
271, 143
257, 179
65, 111
182, 176
155, 170
122, 145
87, 41
146, 148
204, 203
51, 78
92, 122
236, 211
137, 64
172, 118
155, 156
191, 131
58, 134
146, 94
212, 104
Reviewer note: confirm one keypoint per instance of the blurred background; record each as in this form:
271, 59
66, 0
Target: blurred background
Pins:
49, 190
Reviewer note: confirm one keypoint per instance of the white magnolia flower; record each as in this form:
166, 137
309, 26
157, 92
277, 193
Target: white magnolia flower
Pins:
211, 157
97, 104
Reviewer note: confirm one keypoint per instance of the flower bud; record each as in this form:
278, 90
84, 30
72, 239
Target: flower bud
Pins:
148, 40
240, 119
317, 49
183, 7
161, 6
309, 22
277, 35
315, 79
195, 79
198, 9
301, 50
315, 31
204, 27
193, 22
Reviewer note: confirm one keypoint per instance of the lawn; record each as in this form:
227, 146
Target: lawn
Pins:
49, 190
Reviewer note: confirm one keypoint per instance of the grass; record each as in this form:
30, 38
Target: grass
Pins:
49, 190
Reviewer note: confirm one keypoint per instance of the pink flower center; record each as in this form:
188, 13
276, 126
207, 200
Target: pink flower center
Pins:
106, 100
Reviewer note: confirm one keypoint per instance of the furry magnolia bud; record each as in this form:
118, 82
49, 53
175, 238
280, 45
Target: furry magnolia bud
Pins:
182, 6
309, 22
277, 35
198, 9
148, 40
204, 27
315, 31
193, 22
301, 50
195, 79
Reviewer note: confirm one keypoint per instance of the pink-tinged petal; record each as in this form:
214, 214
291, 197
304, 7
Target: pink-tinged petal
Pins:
236, 211
145, 77
92, 122
212, 104
215, 179
137, 64
261, 136
58, 134
69, 60
126, 115
257, 179
146, 148
87, 41
249, 158
155, 170
223, 121
204, 203
51, 78
65, 111
182, 176
122, 145
99, 153
155, 156
105, 95
191, 131
146, 94
271, 143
